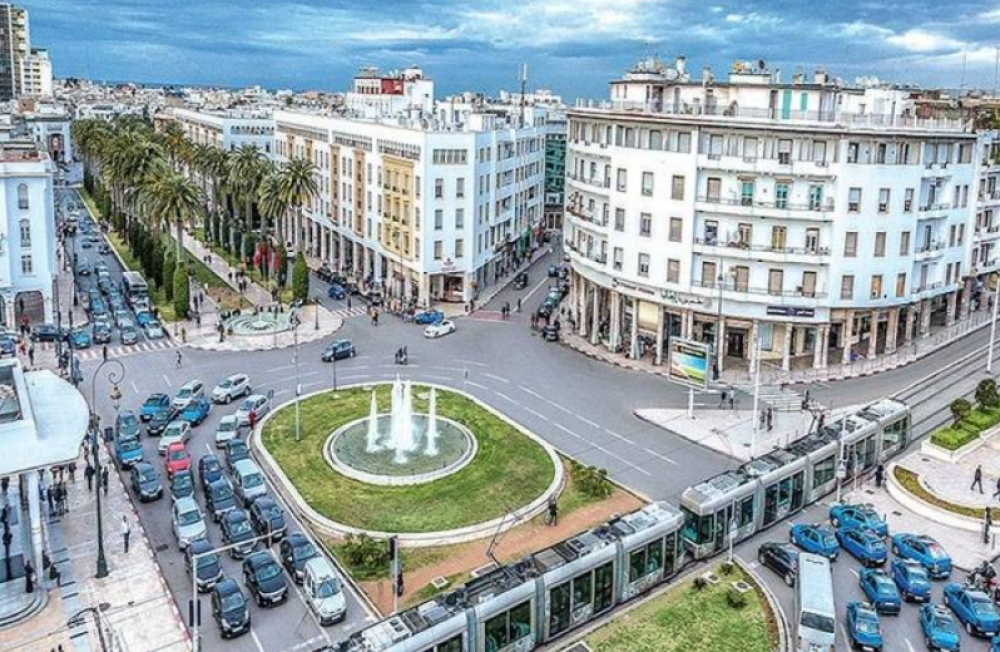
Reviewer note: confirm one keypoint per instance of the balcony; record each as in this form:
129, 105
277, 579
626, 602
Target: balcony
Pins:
987, 232
602, 185
986, 266
935, 211
742, 288
745, 251
926, 288
582, 213
593, 259
822, 211
760, 165
928, 251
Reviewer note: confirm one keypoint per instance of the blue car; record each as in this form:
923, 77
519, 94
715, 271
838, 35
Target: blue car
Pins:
940, 631
128, 452
880, 591
196, 411
867, 547
80, 339
209, 470
429, 317
860, 517
127, 425
154, 404
974, 610
863, 627
143, 317
817, 539
336, 292
911, 579
8, 346
925, 550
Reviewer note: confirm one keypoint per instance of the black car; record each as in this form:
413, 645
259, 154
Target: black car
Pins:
262, 574
102, 333
553, 271
209, 470
550, 333
236, 529
48, 333
159, 421
229, 608
219, 498
182, 485
236, 450
295, 551
146, 482
267, 518
548, 307
8, 347
521, 281
208, 564
782, 558
339, 350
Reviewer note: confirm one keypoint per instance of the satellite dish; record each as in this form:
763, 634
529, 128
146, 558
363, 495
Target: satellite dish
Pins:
760, 64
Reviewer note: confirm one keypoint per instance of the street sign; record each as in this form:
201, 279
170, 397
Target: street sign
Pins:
689, 363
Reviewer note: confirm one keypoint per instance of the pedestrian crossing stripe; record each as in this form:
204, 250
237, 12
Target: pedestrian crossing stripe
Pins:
124, 350
354, 311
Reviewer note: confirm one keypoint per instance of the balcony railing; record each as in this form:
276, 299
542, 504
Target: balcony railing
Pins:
815, 207
590, 181
940, 206
733, 286
930, 247
743, 246
926, 287
598, 258
584, 214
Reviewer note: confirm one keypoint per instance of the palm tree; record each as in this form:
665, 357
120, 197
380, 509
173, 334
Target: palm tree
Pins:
297, 185
272, 205
175, 143
172, 198
248, 167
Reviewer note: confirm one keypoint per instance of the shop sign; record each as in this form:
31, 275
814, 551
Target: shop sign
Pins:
791, 311
689, 363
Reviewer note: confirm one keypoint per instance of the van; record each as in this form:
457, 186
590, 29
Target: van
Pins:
324, 592
249, 481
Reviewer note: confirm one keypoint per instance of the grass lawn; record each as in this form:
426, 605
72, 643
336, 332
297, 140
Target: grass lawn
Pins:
286, 294
911, 482
955, 436
684, 619
508, 471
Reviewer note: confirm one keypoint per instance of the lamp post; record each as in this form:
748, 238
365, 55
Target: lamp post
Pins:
115, 376
76, 620
993, 327
316, 314
298, 387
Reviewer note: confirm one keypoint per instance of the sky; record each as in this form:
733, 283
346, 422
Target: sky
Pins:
573, 47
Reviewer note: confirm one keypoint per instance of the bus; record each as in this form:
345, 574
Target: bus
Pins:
815, 609
135, 288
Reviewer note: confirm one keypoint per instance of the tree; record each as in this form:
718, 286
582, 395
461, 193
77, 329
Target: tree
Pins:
174, 199
986, 393
960, 409
300, 278
182, 292
297, 185
280, 270
169, 267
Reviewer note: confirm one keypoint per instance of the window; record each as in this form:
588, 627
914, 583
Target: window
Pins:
781, 195
812, 240
643, 264
775, 281
25, 228
746, 193
854, 200
460, 186
583, 587
852, 152
459, 218
677, 188
883, 200
851, 244
508, 627
708, 278
880, 244
645, 224
824, 471
438, 219
618, 256
604, 578
784, 151
749, 149
961, 234
741, 278
714, 189
711, 232
622, 179
901, 284
459, 248
904, 243
908, 201
673, 271
438, 188
808, 284
647, 184
876, 286
847, 287
22, 197
438, 250
559, 610
815, 197
744, 234
619, 219
676, 229
27, 265
779, 236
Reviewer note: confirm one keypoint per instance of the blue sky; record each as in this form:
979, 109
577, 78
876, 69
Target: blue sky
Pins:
571, 46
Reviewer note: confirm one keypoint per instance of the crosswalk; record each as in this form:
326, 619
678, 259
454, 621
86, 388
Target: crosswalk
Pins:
117, 350
353, 311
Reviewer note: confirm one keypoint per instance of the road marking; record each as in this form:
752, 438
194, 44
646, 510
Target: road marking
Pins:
468, 382
504, 397
135, 388
544, 281
489, 375
855, 573
536, 414
909, 645
281, 368
282, 391
662, 457
531, 391
473, 363
253, 634
166, 380
621, 459
444, 378
617, 436
588, 421
566, 430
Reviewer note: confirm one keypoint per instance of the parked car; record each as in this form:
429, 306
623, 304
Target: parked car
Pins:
146, 482
127, 425
861, 517
974, 609
817, 539
102, 332
219, 499
553, 271
339, 350
84, 268
256, 403
864, 545
160, 420
182, 485
155, 403
295, 550
237, 531
128, 451
248, 481
264, 578
911, 579
143, 317
781, 558
129, 334
209, 469
236, 450
229, 608
939, 628
188, 392
925, 550
336, 292
8, 346
154, 330
268, 519
521, 281
175, 432
80, 339
231, 388
196, 411
187, 522
324, 592
550, 333
864, 629
441, 329
178, 460
228, 429
425, 317
881, 591
48, 333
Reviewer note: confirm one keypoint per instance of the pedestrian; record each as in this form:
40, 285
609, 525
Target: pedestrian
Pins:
184, 335
29, 577
519, 304
104, 480
977, 479
252, 419
125, 532
89, 474
770, 419
987, 524
374, 317
552, 517
996, 494
64, 498
72, 472
31, 355
880, 476
179, 359
348, 302
104, 352
722, 399
732, 401
50, 499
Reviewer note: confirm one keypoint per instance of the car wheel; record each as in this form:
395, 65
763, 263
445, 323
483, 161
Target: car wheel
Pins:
789, 579
259, 599
968, 628
927, 642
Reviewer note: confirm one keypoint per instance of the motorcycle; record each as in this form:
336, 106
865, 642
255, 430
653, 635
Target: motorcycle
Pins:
984, 578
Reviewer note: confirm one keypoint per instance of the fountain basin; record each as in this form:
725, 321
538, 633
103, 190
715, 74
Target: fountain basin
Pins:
346, 451
263, 323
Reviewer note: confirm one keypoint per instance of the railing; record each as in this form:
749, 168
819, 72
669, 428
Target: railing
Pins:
600, 259
747, 289
940, 206
815, 207
742, 246
590, 181
985, 266
585, 215
843, 118
926, 287
931, 247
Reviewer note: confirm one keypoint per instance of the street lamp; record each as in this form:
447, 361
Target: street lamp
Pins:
115, 376
77, 619
316, 322
993, 327
298, 387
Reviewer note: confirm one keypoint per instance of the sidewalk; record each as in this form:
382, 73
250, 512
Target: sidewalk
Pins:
138, 610
206, 337
257, 295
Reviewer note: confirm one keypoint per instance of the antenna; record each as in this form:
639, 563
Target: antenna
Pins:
524, 85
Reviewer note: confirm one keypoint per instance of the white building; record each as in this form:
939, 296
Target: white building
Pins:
52, 130
28, 264
36, 74
985, 258
823, 221
376, 95
228, 130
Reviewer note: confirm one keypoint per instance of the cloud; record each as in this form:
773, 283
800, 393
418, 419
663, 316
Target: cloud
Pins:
918, 40
991, 16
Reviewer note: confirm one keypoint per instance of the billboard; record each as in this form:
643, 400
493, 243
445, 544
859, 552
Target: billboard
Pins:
392, 86
689, 363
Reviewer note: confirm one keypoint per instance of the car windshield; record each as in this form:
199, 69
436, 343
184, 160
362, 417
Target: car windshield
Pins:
936, 551
225, 384
818, 622
240, 527
303, 551
867, 624
129, 445
227, 425
189, 517
328, 588
916, 574
268, 571
208, 566
247, 405
182, 481
178, 454
253, 480
174, 430
128, 421
184, 393
983, 607
154, 400
945, 625
221, 492
233, 602
147, 475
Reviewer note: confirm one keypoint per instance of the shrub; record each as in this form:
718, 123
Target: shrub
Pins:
590, 480
699, 583
727, 567
182, 292
365, 553
960, 409
300, 278
169, 267
736, 599
986, 393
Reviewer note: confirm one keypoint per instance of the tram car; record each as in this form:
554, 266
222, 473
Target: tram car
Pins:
765, 490
518, 607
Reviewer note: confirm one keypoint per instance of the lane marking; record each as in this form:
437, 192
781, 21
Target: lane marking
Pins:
588, 421
544, 281
473, 363
281, 368
494, 377
662, 457
536, 414
166, 380
504, 396
565, 429
469, 382
621, 459
531, 392
253, 635
617, 436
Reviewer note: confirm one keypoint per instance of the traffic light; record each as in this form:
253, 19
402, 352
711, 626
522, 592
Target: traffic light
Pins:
392, 548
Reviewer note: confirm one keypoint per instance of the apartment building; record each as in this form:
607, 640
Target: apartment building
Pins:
15, 46
36, 74
812, 220
228, 130
985, 238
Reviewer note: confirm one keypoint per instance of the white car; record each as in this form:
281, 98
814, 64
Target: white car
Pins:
441, 329
231, 388
256, 403
188, 522
324, 591
229, 428
175, 431
188, 392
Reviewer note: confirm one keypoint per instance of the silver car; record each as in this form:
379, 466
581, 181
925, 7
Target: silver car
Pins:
229, 428
174, 432
188, 522
231, 388
257, 403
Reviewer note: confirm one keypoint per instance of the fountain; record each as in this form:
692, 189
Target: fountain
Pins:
431, 449
372, 445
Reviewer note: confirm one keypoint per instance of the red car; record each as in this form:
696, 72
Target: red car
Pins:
178, 459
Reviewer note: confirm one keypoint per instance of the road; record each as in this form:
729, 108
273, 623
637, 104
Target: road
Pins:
583, 407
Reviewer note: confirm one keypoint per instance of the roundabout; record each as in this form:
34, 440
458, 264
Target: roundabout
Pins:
261, 323
427, 463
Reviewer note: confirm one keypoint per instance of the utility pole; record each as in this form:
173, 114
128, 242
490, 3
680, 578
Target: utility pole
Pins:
993, 328
756, 392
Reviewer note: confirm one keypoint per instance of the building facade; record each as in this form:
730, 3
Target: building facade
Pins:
812, 221
15, 46
36, 74
228, 130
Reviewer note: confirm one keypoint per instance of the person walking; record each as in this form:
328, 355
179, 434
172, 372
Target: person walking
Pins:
104, 352
996, 494
29, 577
252, 419
72, 472
179, 360
50, 499
126, 531
977, 479
31, 355
552, 515
722, 399
987, 524
104, 480
770, 419
89, 474
518, 304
